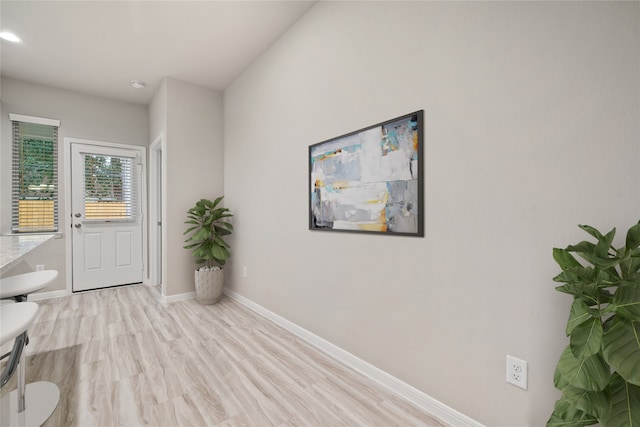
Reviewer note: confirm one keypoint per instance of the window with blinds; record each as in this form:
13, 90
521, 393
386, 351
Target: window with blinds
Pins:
109, 188
34, 189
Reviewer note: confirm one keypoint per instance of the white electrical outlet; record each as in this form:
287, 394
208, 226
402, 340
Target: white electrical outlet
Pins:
244, 271
517, 372
40, 267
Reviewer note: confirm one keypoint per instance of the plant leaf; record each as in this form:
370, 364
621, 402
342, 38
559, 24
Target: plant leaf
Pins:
630, 265
604, 244
217, 252
627, 301
592, 231
218, 241
216, 202
625, 401
566, 415
586, 338
579, 314
621, 348
559, 382
220, 213
633, 237
591, 373
584, 249
190, 229
564, 259
581, 282
201, 234
578, 274
206, 231
605, 263
222, 232
200, 252
596, 403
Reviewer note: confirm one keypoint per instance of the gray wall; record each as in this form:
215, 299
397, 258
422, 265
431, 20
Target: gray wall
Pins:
190, 118
531, 127
81, 116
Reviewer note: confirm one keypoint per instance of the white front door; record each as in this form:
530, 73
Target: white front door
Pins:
106, 216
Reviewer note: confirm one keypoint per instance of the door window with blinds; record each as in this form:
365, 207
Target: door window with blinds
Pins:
34, 189
109, 188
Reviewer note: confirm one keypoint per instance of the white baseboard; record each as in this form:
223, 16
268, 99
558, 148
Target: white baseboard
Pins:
38, 296
178, 297
388, 381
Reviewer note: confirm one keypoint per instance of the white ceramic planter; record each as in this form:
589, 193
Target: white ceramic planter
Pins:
209, 286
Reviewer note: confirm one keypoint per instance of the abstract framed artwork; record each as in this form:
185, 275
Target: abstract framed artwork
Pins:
370, 180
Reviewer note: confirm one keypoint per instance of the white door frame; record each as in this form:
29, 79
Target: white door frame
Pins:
157, 161
68, 211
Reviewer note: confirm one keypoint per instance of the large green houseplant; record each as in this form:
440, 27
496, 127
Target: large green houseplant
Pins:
207, 226
599, 371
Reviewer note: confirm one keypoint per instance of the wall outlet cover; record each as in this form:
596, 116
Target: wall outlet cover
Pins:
517, 372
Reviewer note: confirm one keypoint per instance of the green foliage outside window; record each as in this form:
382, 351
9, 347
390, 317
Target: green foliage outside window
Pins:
103, 178
37, 174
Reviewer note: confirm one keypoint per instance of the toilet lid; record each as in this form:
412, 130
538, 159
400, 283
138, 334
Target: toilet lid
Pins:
15, 319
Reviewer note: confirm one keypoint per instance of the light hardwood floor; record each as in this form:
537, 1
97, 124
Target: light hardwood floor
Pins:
120, 358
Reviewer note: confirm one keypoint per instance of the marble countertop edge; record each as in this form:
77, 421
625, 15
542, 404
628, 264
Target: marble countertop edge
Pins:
14, 248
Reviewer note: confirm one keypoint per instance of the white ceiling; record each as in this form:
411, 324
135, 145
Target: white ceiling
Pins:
98, 47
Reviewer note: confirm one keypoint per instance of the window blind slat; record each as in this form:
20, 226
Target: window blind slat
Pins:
34, 177
110, 188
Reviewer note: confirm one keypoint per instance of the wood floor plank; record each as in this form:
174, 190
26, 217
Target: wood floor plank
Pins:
120, 358
86, 403
301, 370
408, 414
289, 398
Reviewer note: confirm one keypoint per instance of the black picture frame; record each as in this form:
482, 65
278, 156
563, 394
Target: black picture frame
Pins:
366, 181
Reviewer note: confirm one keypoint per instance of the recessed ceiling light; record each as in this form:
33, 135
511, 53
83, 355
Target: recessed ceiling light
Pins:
10, 37
137, 84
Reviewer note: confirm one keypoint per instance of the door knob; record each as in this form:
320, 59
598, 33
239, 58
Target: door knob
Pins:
78, 225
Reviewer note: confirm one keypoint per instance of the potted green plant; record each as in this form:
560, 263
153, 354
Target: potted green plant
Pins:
207, 227
599, 370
